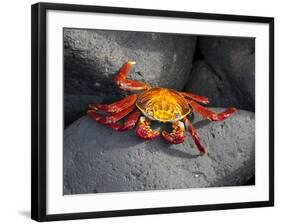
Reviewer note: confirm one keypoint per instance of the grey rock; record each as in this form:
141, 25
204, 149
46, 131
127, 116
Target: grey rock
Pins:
92, 59
219, 90
97, 159
233, 59
75, 105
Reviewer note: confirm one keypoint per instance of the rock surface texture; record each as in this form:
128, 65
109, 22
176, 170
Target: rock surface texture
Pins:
219, 89
92, 58
232, 60
98, 159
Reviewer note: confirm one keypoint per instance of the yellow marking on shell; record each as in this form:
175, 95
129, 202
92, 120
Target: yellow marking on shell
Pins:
150, 113
163, 105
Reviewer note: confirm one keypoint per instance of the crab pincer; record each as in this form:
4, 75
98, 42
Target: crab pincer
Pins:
144, 130
177, 136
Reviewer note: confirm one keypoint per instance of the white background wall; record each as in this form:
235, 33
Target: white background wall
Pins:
15, 110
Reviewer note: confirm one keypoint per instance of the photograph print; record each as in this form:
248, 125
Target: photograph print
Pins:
157, 111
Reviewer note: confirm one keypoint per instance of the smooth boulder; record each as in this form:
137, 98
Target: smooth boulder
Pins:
97, 159
218, 89
232, 59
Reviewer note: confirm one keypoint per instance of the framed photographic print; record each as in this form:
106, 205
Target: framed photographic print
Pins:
138, 111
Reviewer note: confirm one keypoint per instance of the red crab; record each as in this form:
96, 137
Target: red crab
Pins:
159, 104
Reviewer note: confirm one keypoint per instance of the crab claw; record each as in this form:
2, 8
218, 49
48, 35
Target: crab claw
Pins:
177, 135
144, 131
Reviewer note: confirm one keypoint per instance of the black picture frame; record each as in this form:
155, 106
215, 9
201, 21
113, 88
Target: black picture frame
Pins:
39, 123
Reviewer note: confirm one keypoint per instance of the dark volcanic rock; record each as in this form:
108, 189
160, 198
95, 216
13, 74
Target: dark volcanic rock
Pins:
220, 91
232, 59
92, 58
97, 159
75, 105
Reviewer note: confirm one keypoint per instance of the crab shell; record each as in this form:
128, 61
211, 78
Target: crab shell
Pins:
164, 105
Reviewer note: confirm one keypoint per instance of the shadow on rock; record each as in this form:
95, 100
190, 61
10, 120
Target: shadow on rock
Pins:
161, 144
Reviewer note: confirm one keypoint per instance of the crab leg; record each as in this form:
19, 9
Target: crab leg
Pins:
127, 84
177, 136
128, 124
199, 99
93, 114
208, 114
195, 136
144, 131
116, 106
113, 118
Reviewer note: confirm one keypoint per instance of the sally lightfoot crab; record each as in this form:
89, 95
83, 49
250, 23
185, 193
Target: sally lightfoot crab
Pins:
158, 104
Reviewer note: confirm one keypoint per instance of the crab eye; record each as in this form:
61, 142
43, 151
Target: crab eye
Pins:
177, 115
